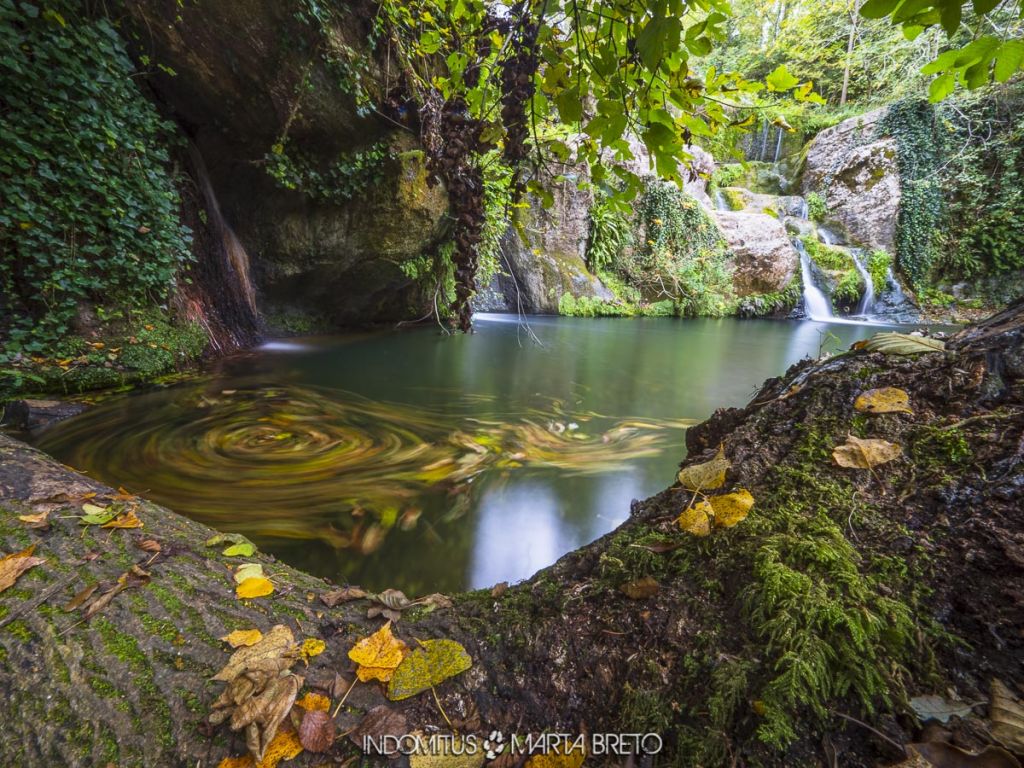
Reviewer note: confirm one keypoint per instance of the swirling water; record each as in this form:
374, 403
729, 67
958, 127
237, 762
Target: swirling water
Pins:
413, 460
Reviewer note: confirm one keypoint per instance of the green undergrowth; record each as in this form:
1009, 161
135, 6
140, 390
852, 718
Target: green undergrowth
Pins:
772, 304
846, 283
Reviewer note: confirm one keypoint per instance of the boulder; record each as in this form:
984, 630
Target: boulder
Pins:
858, 175
763, 258
28, 415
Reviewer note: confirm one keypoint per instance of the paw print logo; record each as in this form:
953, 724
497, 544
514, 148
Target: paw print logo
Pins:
494, 744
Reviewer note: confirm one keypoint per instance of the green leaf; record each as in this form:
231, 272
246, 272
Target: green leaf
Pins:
950, 15
245, 549
780, 79
1009, 59
941, 87
431, 664
984, 6
570, 105
877, 9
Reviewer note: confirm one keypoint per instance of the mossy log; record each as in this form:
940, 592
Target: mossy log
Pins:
841, 594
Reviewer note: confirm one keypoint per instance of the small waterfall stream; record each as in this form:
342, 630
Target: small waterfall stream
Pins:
816, 304
867, 301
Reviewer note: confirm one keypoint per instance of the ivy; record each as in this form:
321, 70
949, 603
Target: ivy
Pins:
89, 210
913, 124
349, 175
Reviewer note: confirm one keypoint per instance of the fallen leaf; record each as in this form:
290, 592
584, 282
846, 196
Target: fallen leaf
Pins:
244, 549
12, 566
1007, 716
133, 577
127, 520
707, 476
883, 400
283, 747
431, 664
343, 595
316, 733
731, 508
941, 755
639, 589
254, 587
314, 701
248, 571
378, 655
38, 522
95, 515
696, 519
150, 545
80, 597
278, 643
244, 761
311, 647
262, 714
568, 755
225, 538
436, 601
449, 752
890, 343
859, 453
241, 638
932, 707
379, 721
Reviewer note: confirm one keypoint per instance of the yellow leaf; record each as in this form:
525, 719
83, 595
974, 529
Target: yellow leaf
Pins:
731, 508
431, 664
640, 589
39, 522
569, 755
255, 587
884, 400
243, 637
378, 655
248, 571
859, 453
696, 519
314, 702
12, 566
284, 746
312, 647
707, 476
245, 761
127, 520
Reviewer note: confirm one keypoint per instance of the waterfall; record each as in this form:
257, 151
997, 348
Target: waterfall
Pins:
816, 304
721, 204
778, 145
867, 301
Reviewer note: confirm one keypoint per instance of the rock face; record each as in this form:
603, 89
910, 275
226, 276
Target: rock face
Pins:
543, 256
250, 74
858, 176
763, 258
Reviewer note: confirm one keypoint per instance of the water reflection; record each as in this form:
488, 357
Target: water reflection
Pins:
414, 460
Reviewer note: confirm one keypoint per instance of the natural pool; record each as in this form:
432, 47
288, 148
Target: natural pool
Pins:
425, 462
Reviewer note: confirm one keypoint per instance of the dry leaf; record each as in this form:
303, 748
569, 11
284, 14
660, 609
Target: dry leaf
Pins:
255, 587
431, 664
278, 643
936, 754
266, 711
883, 400
499, 589
379, 721
343, 595
317, 731
283, 747
696, 519
859, 453
312, 647
890, 343
38, 522
932, 707
573, 757
731, 508
150, 545
133, 577
128, 520
639, 589
80, 597
12, 566
241, 638
707, 476
449, 752
378, 655
314, 701
1007, 717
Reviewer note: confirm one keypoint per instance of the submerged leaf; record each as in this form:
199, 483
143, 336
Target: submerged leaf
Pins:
258, 586
241, 638
12, 566
707, 476
858, 453
429, 665
883, 400
378, 655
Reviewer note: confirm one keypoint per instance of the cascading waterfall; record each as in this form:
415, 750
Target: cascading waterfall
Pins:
867, 301
816, 303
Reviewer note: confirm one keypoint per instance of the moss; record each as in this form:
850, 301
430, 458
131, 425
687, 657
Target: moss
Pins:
938, 450
644, 711
735, 198
167, 598
160, 627
20, 630
103, 688
122, 646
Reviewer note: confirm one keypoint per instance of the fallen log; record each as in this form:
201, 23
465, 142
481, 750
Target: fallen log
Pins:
785, 637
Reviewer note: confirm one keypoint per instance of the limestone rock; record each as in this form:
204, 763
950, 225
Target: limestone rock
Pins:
763, 258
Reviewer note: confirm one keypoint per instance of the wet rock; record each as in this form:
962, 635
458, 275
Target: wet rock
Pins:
763, 258
27, 415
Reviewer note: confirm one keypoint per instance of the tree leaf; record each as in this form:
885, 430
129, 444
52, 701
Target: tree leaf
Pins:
343, 595
258, 586
241, 638
696, 519
891, 343
781, 80
431, 664
706, 476
877, 9
128, 520
311, 647
378, 655
939, 89
1009, 59
932, 707
857, 453
278, 643
14, 565
731, 508
883, 400
1007, 717
248, 571
242, 549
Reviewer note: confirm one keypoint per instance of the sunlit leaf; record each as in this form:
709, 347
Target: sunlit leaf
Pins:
378, 655
696, 519
706, 476
248, 571
243, 637
254, 587
431, 664
731, 508
128, 520
858, 453
883, 400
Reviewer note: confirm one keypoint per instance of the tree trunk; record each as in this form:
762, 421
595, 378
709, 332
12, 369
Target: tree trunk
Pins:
849, 54
842, 592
